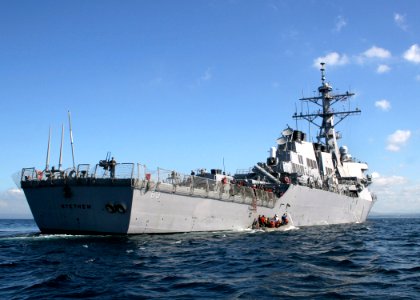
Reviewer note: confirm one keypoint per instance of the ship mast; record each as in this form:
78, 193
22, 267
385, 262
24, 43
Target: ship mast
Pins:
326, 99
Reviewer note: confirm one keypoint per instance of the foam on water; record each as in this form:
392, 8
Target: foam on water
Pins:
291, 228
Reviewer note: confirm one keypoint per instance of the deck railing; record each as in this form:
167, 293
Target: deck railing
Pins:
82, 172
156, 181
167, 181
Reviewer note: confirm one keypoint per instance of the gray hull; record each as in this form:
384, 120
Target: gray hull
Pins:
124, 209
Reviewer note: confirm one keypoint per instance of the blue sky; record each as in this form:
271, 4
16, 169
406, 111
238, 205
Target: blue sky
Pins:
185, 84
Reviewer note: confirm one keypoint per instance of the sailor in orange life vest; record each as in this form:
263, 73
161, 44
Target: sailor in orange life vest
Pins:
274, 222
262, 220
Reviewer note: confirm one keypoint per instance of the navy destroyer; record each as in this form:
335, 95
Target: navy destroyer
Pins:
313, 183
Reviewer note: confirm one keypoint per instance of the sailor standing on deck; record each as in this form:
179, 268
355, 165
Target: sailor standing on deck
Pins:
112, 165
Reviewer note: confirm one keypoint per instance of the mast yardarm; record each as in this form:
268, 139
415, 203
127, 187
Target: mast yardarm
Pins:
326, 99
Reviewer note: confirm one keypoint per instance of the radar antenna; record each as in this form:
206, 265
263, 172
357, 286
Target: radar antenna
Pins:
326, 99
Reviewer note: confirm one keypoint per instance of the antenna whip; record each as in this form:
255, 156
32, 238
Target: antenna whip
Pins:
47, 162
71, 141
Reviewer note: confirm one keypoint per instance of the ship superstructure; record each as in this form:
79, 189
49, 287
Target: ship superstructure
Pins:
322, 164
314, 183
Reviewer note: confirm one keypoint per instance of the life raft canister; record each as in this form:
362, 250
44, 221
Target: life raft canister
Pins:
120, 208
72, 174
110, 208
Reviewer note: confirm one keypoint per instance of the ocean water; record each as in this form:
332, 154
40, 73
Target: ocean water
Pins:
379, 259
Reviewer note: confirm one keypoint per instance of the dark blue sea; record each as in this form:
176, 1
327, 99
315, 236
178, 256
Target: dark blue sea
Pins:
379, 259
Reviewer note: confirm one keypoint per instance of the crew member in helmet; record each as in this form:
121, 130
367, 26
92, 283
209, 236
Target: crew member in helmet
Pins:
277, 221
284, 219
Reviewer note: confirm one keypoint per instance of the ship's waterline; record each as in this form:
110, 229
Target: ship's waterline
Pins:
112, 207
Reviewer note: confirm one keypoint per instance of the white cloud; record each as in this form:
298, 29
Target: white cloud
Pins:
375, 175
395, 194
383, 69
332, 59
339, 23
377, 52
400, 21
13, 203
390, 180
398, 139
373, 54
383, 104
3, 204
413, 54
393, 148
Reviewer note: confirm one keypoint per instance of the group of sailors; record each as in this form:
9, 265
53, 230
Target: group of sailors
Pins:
274, 222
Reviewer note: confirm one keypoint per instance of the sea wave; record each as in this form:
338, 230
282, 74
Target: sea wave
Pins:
374, 260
